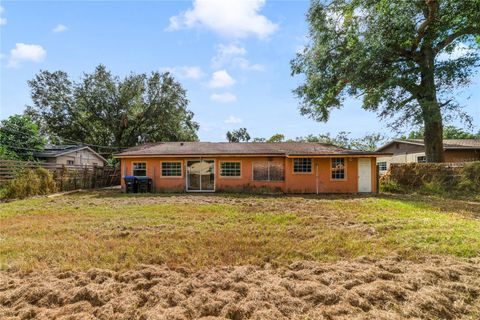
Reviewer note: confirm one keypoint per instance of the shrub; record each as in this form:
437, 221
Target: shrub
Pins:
390, 185
469, 177
30, 182
432, 178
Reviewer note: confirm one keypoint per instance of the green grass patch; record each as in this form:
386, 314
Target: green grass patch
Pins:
110, 230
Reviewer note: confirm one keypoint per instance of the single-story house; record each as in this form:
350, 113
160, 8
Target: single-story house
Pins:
252, 167
413, 150
70, 155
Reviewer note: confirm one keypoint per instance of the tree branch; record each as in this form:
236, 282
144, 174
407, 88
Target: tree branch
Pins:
432, 8
452, 37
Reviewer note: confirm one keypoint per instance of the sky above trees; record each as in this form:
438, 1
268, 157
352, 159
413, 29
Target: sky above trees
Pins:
234, 60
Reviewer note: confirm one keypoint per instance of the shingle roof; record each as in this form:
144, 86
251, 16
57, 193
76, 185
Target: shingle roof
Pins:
53, 151
242, 148
455, 143
447, 143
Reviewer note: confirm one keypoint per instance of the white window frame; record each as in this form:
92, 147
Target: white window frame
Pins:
380, 163
229, 177
424, 157
344, 169
169, 176
302, 172
139, 162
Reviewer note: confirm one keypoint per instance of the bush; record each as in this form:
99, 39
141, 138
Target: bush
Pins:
390, 185
469, 177
432, 178
30, 182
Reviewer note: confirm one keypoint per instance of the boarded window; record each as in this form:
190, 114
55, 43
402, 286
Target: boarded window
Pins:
268, 171
338, 168
230, 169
302, 165
171, 169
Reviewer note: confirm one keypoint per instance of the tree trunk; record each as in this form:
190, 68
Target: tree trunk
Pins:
431, 112
433, 136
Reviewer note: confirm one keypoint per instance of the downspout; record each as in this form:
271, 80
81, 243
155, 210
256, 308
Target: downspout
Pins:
316, 174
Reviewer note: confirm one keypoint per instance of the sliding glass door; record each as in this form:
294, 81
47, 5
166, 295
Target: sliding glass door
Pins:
200, 175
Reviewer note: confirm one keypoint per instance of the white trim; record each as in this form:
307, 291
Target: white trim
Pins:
229, 177
214, 175
171, 177
344, 169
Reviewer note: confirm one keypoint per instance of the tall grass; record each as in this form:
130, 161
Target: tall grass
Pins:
30, 182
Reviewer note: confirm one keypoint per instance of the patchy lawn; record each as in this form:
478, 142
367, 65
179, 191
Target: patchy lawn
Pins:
116, 256
109, 230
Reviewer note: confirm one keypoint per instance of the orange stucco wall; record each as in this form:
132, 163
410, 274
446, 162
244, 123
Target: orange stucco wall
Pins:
293, 183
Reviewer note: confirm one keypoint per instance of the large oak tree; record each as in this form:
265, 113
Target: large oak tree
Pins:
404, 58
104, 110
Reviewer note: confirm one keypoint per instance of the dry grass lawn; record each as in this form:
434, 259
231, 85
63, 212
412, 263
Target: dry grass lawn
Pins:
106, 255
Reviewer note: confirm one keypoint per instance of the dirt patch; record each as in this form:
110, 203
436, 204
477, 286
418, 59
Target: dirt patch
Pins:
435, 288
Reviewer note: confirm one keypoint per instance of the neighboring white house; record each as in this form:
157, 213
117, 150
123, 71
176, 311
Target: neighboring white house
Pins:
70, 155
413, 150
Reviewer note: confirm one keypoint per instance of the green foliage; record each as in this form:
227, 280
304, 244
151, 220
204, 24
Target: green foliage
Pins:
278, 137
390, 185
394, 54
369, 142
239, 135
469, 178
102, 109
449, 132
19, 138
432, 179
30, 182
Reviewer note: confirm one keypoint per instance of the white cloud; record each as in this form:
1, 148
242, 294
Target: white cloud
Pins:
233, 18
233, 55
233, 120
223, 97
26, 53
244, 64
225, 53
459, 51
187, 72
60, 28
221, 79
3, 21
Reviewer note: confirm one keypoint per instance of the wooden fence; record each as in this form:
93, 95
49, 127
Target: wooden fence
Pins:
67, 177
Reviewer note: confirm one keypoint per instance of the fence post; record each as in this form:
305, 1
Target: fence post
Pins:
62, 173
94, 176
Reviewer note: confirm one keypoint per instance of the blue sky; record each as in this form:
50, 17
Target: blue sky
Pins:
232, 58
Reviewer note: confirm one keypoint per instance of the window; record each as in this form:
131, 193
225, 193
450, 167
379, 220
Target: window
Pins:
302, 165
230, 169
338, 168
382, 166
70, 162
171, 169
139, 169
421, 159
268, 171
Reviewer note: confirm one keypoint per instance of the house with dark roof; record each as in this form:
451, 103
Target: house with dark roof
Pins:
413, 150
252, 167
70, 155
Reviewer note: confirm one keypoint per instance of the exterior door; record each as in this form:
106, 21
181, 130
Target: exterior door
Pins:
200, 175
364, 175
